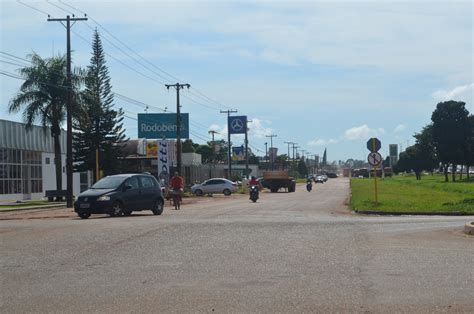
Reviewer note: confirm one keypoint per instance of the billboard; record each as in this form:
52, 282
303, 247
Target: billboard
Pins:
161, 125
237, 124
238, 153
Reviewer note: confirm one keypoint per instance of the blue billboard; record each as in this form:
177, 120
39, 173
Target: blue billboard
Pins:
237, 124
161, 125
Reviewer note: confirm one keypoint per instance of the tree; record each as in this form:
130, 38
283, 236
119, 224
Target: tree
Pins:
188, 146
426, 149
302, 169
43, 97
101, 127
450, 133
411, 159
325, 161
469, 151
207, 153
281, 161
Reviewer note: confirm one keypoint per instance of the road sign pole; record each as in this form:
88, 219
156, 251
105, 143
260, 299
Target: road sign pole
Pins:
375, 183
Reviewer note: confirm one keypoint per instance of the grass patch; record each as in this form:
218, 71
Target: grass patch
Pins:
406, 194
26, 204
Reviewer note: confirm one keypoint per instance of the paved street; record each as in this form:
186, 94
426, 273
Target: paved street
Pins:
297, 252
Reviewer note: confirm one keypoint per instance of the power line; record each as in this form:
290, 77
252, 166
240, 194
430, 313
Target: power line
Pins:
198, 93
32, 7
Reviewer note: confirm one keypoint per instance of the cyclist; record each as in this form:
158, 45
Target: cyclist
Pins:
177, 185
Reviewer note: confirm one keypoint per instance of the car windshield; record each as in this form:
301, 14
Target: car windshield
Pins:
108, 183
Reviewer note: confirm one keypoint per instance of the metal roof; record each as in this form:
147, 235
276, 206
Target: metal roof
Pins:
14, 135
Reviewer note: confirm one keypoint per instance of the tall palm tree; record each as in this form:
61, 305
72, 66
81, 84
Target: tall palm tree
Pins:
43, 97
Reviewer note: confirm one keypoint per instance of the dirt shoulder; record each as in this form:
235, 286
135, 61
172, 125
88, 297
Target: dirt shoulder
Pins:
63, 212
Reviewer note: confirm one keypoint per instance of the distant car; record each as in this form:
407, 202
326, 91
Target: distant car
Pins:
319, 179
121, 195
332, 175
213, 186
325, 177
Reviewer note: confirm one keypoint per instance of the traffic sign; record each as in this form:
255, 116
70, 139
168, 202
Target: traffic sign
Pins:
374, 159
237, 124
374, 144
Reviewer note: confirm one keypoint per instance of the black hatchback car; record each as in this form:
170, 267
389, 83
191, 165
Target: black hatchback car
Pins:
121, 195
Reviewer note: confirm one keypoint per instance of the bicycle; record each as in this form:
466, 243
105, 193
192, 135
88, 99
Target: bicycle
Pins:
176, 197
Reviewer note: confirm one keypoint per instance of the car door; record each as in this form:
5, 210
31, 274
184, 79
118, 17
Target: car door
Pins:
132, 197
148, 192
210, 186
220, 186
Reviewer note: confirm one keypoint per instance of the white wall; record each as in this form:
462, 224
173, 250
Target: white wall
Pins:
49, 175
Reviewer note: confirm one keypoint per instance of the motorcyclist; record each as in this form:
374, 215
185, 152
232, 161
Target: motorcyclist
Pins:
309, 184
254, 182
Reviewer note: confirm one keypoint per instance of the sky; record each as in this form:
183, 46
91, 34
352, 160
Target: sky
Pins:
324, 74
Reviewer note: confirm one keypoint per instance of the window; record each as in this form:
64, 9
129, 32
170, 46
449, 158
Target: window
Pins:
48, 160
133, 181
147, 182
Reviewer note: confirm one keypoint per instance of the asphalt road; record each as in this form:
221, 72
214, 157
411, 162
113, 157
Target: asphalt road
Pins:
297, 252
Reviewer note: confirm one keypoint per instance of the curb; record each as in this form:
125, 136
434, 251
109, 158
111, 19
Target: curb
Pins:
381, 213
13, 209
469, 228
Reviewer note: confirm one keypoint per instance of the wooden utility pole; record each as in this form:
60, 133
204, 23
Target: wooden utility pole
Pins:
69, 174
178, 87
229, 163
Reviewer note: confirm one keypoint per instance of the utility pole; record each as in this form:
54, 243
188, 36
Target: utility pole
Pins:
289, 143
302, 153
294, 151
266, 156
68, 25
212, 132
271, 136
178, 86
229, 162
247, 148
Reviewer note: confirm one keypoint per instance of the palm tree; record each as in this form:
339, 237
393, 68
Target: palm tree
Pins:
43, 97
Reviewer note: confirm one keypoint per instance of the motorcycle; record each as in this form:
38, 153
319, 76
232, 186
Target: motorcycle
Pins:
254, 193
309, 186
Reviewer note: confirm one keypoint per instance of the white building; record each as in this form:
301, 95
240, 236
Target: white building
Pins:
27, 167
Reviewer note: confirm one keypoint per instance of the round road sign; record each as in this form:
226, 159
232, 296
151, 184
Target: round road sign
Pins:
374, 159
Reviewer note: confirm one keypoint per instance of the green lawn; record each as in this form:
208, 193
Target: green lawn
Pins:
26, 204
405, 194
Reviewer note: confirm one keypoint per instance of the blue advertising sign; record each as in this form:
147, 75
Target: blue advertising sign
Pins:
161, 125
237, 124
238, 153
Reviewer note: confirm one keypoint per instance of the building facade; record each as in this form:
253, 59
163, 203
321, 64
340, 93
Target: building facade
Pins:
27, 163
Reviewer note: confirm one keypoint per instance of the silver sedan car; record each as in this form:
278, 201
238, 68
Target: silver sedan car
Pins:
214, 185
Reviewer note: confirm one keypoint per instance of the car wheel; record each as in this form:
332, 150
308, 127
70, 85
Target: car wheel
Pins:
117, 209
158, 207
227, 192
273, 190
198, 192
84, 215
127, 212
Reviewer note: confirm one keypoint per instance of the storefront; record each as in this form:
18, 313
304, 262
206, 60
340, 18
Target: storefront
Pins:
27, 167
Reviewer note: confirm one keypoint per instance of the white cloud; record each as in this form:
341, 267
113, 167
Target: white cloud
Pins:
457, 93
362, 132
257, 128
399, 128
322, 142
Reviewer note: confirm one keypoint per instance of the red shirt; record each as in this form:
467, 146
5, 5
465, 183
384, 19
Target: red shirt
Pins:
176, 182
253, 182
